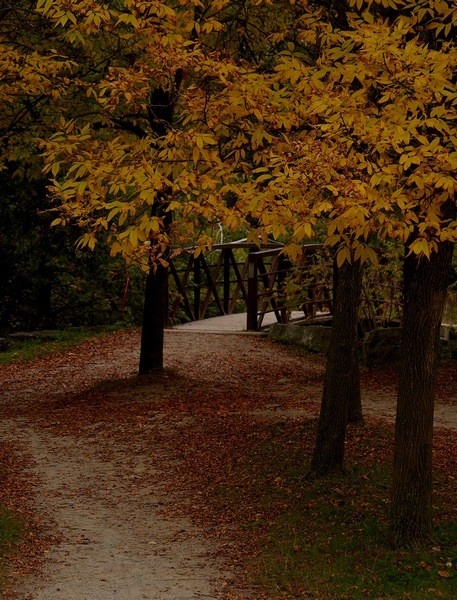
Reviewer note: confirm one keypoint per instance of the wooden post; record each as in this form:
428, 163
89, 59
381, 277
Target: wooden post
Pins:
197, 285
226, 254
284, 267
251, 323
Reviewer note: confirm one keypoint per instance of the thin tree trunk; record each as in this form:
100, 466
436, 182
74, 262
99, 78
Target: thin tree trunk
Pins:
342, 377
355, 413
425, 288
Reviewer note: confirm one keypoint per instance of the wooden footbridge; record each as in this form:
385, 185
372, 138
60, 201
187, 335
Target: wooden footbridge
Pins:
239, 277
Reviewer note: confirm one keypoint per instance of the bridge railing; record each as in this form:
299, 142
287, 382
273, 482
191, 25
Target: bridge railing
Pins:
239, 275
209, 285
268, 273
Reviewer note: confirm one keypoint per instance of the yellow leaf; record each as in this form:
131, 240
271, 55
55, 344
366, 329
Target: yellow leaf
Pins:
420, 246
195, 154
342, 256
133, 237
359, 252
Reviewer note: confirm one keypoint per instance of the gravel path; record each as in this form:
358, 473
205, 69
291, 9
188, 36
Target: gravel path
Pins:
115, 543
115, 539
102, 456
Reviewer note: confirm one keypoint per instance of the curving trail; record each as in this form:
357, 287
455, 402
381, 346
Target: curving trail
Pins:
99, 452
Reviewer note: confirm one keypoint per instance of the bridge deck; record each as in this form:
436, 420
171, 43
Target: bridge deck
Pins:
228, 323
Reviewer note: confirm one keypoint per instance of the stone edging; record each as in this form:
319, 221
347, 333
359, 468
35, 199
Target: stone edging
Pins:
378, 347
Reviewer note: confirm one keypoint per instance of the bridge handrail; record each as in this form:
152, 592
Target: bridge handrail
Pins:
199, 274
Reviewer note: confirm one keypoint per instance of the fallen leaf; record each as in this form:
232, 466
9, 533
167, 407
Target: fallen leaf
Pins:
444, 573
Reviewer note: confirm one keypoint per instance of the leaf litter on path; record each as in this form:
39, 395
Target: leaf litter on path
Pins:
113, 471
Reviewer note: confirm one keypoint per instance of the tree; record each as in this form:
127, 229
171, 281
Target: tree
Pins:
158, 149
342, 382
34, 75
350, 123
223, 102
377, 106
41, 269
31, 70
357, 127
426, 281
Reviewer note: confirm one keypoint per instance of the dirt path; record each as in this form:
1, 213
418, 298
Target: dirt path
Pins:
114, 544
105, 455
116, 540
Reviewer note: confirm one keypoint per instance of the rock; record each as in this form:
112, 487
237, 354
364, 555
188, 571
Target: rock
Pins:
447, 348
452, 345
378, 347
315, 338
381, 346
22, 336
281, 332
448, 331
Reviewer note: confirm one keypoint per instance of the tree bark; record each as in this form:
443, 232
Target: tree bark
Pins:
341, 394
155, 313
155, 309
425, 288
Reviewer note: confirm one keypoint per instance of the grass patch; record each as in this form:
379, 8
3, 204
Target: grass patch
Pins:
59, 341
327, 538
333, 545
11, 529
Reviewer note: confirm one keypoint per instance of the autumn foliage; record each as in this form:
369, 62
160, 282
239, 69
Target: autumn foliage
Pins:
290, 119
353, 126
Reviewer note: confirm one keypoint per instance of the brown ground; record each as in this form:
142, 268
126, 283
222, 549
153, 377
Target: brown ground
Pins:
97, 459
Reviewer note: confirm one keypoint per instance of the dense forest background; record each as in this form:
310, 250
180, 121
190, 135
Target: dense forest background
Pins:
45, 281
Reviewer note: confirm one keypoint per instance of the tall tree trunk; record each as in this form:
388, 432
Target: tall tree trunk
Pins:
355, 414
155, 314
425, 287
155, 309
342, 376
